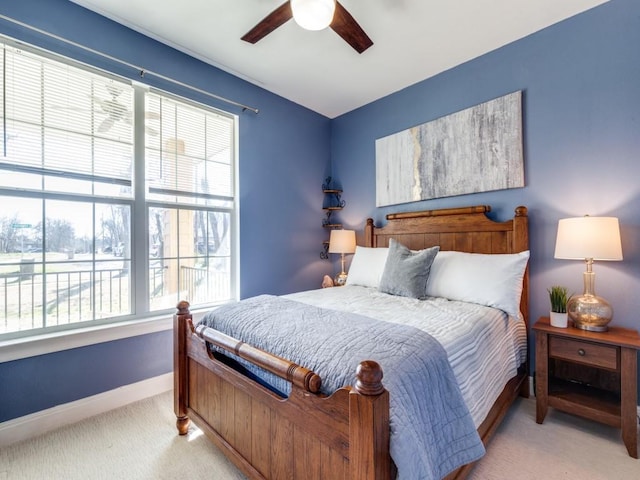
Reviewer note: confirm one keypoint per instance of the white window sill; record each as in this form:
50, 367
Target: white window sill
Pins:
55, 342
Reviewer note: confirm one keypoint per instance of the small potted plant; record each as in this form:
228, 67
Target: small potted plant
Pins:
558, 296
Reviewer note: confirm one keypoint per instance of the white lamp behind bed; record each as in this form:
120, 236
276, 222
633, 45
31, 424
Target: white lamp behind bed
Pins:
342, 241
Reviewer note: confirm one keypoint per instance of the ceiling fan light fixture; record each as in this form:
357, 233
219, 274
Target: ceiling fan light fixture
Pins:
313, 14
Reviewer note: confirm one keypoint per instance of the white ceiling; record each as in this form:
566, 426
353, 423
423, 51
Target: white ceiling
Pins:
413, 40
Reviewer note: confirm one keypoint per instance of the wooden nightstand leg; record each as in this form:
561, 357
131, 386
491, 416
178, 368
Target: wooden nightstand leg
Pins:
542, 376
629, 401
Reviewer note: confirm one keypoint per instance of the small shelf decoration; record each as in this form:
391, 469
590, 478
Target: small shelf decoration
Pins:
332, 203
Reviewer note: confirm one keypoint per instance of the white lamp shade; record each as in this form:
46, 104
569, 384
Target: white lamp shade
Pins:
313, 14
342, 241
586, 237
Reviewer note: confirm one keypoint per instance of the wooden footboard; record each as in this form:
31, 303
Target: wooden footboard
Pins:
305, 436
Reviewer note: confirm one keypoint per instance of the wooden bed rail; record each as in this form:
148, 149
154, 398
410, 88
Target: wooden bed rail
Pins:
440, 213
300, 376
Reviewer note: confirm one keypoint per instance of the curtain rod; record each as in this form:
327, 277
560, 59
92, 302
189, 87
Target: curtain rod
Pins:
142, 71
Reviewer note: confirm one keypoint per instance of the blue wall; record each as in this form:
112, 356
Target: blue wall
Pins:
581, 84
284, 158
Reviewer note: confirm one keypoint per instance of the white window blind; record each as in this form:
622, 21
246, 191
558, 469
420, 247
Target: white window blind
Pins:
189, 153
64, 129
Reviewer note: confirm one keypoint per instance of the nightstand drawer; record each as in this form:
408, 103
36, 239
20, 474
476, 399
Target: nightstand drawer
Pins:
597, 355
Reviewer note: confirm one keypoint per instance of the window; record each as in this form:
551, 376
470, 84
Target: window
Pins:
190, 203
116, 200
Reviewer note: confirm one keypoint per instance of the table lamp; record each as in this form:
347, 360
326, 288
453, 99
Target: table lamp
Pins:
342, 241
589, 238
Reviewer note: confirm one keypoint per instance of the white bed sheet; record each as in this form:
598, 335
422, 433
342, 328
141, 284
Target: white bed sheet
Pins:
484, 346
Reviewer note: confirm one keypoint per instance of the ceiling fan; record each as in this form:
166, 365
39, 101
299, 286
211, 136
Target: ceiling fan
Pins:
117, 111
341, 22
112, 108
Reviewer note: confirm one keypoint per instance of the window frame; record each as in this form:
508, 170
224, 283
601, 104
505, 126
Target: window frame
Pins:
141, 319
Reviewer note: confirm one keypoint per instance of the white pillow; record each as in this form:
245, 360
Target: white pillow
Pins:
491, 280
367, 266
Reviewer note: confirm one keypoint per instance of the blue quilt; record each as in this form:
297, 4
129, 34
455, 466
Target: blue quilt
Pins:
432, 432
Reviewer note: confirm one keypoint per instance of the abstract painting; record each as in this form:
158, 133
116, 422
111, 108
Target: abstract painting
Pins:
475, 150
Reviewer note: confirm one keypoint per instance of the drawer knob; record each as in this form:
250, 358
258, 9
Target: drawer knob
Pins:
581, 352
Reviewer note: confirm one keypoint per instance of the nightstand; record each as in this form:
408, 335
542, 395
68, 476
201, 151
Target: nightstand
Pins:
590, 374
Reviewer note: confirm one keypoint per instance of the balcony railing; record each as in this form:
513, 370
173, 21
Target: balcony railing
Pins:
205, 285
37, 300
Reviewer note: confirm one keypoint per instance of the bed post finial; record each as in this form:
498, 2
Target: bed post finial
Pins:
183, 307
521, 211
369, 375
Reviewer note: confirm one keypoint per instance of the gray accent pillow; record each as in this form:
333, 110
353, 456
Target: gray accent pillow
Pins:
406, 272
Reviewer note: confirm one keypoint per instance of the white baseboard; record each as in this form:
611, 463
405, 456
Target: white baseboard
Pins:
37, 423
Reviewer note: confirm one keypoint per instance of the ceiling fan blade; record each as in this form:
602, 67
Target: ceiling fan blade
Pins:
114, 90
100, 102
268, 24
106, 125
347, 27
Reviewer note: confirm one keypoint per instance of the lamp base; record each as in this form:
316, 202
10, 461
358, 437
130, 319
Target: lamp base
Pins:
590, 312
340, 280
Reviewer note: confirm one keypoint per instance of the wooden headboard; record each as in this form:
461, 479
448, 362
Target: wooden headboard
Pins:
466, 229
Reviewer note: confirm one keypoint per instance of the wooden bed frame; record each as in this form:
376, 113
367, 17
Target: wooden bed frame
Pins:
309, 435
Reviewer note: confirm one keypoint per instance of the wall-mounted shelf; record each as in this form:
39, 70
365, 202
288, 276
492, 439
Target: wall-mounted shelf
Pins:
331, 203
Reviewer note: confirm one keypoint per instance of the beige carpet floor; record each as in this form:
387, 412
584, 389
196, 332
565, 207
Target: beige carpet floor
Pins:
139, 442
564, 447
